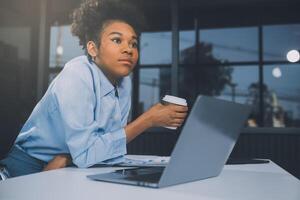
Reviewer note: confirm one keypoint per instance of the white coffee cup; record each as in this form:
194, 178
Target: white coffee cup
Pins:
173, 100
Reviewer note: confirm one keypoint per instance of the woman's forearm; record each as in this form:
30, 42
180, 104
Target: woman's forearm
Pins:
138, 126
157, 116
59, 161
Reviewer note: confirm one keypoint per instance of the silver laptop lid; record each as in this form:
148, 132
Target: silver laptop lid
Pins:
206, 140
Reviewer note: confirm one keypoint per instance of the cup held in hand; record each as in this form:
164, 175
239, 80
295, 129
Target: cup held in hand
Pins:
169, 99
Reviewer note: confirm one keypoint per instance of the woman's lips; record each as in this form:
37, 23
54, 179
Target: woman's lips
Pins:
126, 61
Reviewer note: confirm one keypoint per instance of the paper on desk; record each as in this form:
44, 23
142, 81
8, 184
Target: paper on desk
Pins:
142, 160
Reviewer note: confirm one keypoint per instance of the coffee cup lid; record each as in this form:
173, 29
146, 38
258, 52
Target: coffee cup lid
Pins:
175, 100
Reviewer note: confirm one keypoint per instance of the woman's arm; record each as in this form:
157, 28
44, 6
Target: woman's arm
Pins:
158, 115
59, 161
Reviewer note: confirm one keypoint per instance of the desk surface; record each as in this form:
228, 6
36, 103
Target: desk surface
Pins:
240, 182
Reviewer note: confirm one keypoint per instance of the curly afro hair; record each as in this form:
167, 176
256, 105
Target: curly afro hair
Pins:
92, 16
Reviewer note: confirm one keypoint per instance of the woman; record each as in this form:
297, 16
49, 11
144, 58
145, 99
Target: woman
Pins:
83, 115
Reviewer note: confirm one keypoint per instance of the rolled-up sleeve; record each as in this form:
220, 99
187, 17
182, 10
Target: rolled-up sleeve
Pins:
88, 141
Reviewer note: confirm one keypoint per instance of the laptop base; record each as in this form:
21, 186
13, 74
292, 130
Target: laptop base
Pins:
141, 176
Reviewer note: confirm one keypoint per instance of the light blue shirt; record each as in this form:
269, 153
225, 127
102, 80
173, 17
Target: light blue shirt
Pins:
80, 115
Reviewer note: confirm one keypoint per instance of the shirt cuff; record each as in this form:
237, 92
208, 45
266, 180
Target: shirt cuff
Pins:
119, 146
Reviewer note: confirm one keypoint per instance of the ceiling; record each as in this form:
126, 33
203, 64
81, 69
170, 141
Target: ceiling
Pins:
210, 13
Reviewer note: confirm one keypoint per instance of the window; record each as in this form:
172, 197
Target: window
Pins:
17, 67
225, 82
221, 67
155, 48
239, 84
154, 83
279, 39
63, 46
15, 43
282, 106
186, 44
229, 44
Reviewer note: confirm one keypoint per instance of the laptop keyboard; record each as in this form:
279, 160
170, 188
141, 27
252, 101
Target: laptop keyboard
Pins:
151, 178
147, 174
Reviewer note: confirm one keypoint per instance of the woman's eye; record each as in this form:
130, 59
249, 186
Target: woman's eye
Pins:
116, 40
134, 45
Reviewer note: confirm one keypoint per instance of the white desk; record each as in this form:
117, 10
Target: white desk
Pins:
236, 182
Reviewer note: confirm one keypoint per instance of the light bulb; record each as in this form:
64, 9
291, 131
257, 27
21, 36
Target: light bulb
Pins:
276, 72
60, 50
293, 56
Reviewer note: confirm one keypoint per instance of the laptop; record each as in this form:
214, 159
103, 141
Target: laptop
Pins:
201, 151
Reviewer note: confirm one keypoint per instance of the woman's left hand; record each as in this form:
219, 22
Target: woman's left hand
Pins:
59, 161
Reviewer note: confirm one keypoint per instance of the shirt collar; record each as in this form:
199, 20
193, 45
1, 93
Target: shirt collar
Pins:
105, 85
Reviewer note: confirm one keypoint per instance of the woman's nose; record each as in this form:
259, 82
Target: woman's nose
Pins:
127, 49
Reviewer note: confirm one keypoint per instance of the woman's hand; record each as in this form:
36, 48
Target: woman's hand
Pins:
167, 115
59, 161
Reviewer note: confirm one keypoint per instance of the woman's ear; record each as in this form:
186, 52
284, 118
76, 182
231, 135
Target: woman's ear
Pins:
92, 49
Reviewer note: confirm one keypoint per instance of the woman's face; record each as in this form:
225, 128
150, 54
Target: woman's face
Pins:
118, 51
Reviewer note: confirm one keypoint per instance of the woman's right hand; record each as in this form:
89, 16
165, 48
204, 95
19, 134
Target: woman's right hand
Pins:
167, 115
